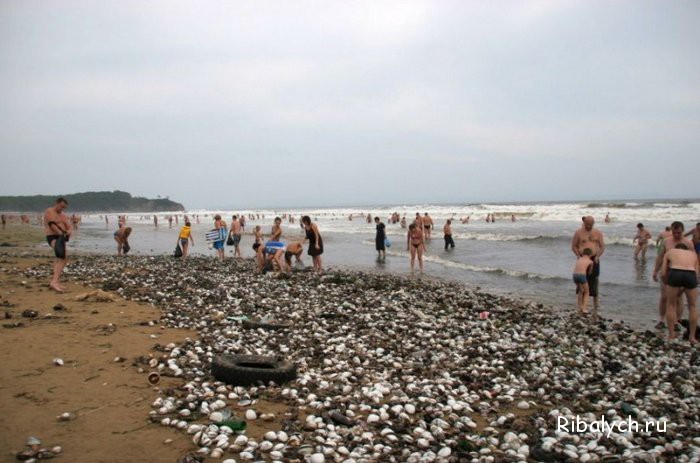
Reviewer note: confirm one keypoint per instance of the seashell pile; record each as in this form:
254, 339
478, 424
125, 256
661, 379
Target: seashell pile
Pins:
398, 369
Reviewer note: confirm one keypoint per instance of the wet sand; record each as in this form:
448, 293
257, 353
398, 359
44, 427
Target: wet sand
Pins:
109, 399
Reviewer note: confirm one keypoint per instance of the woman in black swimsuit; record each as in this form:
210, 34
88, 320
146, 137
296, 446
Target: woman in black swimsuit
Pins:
315, 241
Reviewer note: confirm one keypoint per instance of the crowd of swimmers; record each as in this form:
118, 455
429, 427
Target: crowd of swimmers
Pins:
676, 266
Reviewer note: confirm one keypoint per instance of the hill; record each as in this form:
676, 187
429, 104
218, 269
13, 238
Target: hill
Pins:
92, 201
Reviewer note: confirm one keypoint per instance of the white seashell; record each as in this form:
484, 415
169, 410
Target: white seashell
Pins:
410, 409
185, 412
445, 452
372, 418
165, 421
250, 415
58, 362
57, 449
216, 417
217, 453
194, 428
271, 436
276, 455
229, 460
317, 458
282, 436
523, 405
240, 441
266, 446
246, 456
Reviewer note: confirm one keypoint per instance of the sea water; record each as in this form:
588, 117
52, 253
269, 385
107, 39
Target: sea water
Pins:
530, 258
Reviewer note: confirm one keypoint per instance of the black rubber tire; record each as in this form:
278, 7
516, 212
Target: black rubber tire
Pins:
253, 325
244, 370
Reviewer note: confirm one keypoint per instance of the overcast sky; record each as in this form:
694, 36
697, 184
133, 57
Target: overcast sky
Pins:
294, 103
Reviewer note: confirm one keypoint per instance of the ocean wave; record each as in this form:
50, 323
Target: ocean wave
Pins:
476, 268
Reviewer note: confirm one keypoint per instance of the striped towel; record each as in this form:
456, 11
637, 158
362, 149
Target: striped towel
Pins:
217, 234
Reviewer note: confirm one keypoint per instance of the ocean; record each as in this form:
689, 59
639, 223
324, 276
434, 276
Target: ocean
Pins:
529, 258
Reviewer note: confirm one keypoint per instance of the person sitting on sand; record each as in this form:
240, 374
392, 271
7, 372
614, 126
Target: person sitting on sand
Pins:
583, 267
642, 238
185, 238
681, 269
121, 236
416, 244
56, 223
293, 249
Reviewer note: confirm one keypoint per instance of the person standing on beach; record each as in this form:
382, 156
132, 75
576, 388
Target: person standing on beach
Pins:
220, 225
4, 221
185, 237
588, 237
695, 232
416, 244
276, 233
57, 225
155, 220
379, 239
170, 221
427, 225
315, 242
447, 230
676, 238
236, 236
642, 238
660, 239
681, 268
403, 222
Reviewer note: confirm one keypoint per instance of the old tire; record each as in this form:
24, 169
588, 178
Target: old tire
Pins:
244, 370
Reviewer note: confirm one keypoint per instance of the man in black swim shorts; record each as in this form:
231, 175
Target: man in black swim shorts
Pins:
680, 266
57, 228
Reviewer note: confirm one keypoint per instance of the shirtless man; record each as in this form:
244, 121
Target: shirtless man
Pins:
668, 244
236, 236
447, 230
681, 268
56, 223
642, 238
587, 237
427, 225
276, 232
696, 238
662, 236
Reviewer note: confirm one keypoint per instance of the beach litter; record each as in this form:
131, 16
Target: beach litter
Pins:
418, 372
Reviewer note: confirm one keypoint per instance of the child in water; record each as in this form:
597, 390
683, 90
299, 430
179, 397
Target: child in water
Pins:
583, 267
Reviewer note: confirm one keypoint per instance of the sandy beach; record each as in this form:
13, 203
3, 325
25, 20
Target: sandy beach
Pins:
421, 370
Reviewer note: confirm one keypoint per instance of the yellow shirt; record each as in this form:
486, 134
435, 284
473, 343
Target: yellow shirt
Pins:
185, 232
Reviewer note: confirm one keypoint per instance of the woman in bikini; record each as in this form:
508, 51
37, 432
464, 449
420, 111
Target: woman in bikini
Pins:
414, 243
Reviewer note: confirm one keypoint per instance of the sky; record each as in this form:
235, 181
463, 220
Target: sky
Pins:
232, 104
